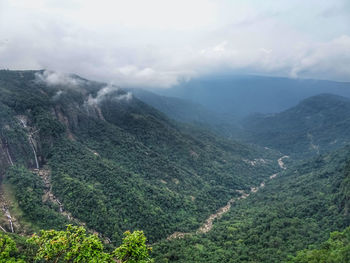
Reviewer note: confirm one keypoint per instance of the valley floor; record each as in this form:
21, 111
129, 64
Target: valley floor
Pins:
208, 224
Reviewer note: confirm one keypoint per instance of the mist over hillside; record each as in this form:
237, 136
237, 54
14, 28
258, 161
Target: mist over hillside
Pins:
243, 95
188, 112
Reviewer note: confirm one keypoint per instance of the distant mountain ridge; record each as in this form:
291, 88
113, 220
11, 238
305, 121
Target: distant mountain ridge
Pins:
186, 111
317, 124
176, 108
242, 95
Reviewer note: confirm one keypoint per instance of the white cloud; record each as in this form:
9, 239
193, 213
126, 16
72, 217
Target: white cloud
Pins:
102, 94
220, 47
160, 42
57, 95
332, 56
53, 78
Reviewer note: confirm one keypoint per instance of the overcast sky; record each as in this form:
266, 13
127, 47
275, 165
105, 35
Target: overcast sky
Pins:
160, 42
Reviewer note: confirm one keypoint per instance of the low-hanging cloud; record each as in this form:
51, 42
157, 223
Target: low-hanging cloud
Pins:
54, 78
63, 80
159, 47
57, 95
106, 91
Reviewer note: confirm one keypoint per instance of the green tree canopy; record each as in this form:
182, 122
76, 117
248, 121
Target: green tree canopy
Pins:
75, 245
335, 250
72, 245
134, 248
8, 250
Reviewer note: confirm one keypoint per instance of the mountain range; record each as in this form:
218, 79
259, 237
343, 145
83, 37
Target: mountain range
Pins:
207, 180
241, 95
316, 125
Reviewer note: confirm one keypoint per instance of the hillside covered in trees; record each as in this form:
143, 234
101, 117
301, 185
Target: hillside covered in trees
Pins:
77, 151
92, 156
298, 209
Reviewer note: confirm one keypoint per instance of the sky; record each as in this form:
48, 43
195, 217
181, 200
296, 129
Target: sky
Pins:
159, 43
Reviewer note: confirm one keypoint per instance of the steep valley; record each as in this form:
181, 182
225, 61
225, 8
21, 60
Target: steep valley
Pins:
115, 162
298, 209
91, 154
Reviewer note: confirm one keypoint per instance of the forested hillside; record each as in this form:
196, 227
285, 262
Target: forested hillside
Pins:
87, 153
335, 249
299, 208
316, 125
185, 111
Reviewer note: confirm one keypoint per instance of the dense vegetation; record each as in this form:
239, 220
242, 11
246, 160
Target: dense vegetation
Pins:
28, 190
298, 208
73, 245
335, 250
316, 125
116, 163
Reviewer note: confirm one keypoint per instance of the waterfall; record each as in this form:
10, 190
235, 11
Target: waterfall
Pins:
60, 205
11, 224
30, 139
8, 215
23, 122
32, 145
9, 156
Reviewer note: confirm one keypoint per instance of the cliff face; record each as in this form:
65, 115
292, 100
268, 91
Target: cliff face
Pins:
35, 112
